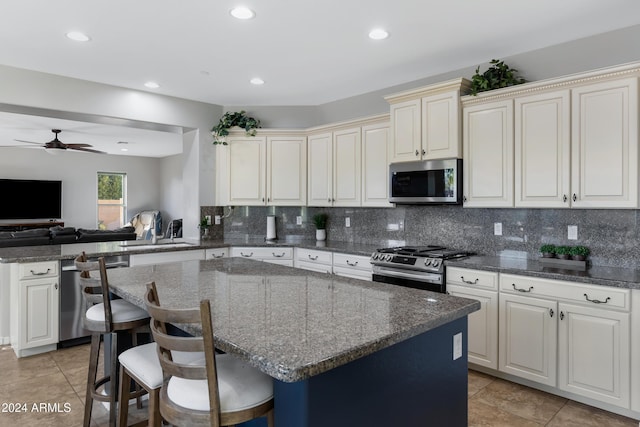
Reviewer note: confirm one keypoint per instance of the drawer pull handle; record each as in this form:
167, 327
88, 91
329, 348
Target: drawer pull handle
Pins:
33, 273
352, 264
312, 258
218, 256
468, 282
276, 255
596, 301
520, 289
245, 255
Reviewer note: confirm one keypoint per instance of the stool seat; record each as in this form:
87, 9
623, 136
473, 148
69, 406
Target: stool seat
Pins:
121, 311
240, 386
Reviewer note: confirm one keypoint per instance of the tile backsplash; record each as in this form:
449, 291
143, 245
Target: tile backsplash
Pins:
611, 234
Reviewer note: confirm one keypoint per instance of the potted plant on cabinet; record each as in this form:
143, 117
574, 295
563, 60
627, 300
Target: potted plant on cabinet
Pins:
548, 251
498, 75
563, 252
320, 221
231, 119
579, 253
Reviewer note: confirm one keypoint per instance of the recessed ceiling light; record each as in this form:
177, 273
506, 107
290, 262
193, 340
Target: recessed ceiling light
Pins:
257, 81
242, 12
152, 85
378, 34
78, 36
123, 145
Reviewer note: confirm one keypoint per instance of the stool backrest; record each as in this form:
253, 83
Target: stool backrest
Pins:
160, 318
95, 290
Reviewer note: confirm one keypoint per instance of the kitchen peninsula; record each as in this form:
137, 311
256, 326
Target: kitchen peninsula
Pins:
342, 352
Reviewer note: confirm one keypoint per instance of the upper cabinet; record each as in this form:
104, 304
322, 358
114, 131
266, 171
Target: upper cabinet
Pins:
267, 170
425, 122
375, 165
563, 143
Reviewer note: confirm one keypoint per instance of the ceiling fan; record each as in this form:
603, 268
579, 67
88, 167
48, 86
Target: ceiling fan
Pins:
55, 143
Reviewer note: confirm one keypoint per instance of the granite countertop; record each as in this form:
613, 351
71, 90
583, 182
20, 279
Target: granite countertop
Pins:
606, 276
290, 323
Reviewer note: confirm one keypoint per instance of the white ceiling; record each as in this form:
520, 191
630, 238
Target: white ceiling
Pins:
308, 52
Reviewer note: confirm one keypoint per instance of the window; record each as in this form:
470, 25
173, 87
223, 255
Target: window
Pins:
112, 200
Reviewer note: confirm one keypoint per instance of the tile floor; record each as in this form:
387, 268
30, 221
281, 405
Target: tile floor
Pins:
58, 379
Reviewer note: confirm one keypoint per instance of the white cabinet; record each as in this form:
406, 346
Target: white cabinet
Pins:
267, 170
488, 155
335, 168
483, 324
542, 150
215, 253
313, 260
354, 266
425, 122
164, 257
593, 354
35, 297
605, 145
375, 165
275, 255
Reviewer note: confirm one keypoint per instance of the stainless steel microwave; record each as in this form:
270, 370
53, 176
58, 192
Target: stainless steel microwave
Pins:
426, 182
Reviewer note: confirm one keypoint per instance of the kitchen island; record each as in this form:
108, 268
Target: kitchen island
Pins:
342, 352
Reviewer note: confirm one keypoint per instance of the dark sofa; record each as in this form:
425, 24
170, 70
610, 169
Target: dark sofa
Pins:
61, 235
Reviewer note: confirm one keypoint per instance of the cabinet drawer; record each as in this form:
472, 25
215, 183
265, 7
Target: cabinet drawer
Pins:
37, 270
215, 253
315, 257
314, 266
352, 272
592, 295
472, 278
262, 253
356, 262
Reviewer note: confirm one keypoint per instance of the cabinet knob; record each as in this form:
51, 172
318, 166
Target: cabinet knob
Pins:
551, 312
424, 152
575, 197
263, 199
564, 198
329, 200
417, 153
55, 286
464, 199
561, 315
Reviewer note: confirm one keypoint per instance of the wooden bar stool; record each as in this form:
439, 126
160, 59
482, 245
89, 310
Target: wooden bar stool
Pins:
224, 392
104, 316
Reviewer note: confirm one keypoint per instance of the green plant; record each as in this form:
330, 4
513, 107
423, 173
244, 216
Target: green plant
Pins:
548, 249
498, 75
579, 250
203, 223
320, 220
563, 250
229, 120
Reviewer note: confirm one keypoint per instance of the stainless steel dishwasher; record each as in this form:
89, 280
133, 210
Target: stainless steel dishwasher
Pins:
71, 302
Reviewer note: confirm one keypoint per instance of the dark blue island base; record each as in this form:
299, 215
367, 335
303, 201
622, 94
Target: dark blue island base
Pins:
413, 383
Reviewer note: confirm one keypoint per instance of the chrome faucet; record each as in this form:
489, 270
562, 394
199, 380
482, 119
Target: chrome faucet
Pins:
170, 227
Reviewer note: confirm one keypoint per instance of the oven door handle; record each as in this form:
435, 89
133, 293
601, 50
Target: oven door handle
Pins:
422, 276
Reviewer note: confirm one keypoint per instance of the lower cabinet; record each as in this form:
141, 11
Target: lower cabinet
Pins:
275, 255
354, 266
35, 294
312, 260
164, 257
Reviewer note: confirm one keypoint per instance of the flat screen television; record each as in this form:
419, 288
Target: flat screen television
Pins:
30, 199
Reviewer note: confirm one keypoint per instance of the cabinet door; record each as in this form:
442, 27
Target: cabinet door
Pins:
605, 145
488, 155
246, 170
405, 126
286, 171
375, 165
527, 338
39, 323
542, 150
320, 170
441, 126
483, 325
594, 353
347, 167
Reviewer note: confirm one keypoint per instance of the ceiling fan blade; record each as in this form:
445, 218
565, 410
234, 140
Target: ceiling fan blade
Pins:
88, 150
28, 142
78, 145
20, 146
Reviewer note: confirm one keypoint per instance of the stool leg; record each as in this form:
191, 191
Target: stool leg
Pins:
155, 419
123, 400
270, 420
113, 375
94, 356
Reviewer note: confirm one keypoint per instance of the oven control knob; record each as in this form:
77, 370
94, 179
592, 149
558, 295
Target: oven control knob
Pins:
388, 257
374, 255
427, 262
435, 263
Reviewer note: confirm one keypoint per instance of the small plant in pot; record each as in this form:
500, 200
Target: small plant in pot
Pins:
563, 252
320, 221
548, 251
579, 253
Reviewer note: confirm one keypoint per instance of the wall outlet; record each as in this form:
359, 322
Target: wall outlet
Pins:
298, 220
457, 346
572, 232
208, 218
497, 229
347, 222
217, 219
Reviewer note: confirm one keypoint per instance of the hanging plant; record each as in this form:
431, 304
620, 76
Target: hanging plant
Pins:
497, 76
229, 120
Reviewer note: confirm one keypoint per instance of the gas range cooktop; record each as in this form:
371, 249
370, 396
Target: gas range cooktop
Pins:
419, 258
